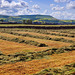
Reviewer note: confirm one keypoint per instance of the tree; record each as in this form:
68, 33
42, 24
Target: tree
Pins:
24, 21
1, 20
27, 21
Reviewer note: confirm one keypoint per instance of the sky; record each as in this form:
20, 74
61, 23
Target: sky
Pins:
60, 9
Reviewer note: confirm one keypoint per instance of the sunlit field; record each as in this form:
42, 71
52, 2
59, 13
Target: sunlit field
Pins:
31, 51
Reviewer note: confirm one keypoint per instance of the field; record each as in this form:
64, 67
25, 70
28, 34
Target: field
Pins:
33, 25
27, 51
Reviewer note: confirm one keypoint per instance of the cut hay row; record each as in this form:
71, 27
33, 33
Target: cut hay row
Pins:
64, 32
67, 31
50, 43
21, 55
10, 47
28, 56
50, 32
70, 31
34, 66
60, 34
66, 70
42, 37
23, 41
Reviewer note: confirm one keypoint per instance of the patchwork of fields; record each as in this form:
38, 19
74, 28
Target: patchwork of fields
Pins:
33, 51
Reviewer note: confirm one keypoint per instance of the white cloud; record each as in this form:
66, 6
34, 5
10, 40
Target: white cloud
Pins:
22, 12
58, 8
12, 7
6, 4
56, 14
61, 1
57, 1
4, 12
34, 12
9, 1
17, 8
71, 5
36, 6
31, 1
45, 12
25, 4
51, 5
63, 15
27, 11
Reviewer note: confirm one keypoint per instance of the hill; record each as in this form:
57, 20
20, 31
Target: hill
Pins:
35, 18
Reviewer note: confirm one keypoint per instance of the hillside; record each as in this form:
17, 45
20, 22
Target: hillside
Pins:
35, 18
41, 18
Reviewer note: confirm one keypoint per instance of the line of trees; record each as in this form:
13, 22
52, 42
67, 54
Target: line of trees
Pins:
27, 21
1, 20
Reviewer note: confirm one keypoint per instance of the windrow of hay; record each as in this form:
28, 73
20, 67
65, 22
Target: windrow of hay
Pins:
27, 56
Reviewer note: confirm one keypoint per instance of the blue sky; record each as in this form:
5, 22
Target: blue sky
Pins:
60, 9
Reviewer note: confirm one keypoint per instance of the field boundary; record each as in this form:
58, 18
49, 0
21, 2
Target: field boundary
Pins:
40, 27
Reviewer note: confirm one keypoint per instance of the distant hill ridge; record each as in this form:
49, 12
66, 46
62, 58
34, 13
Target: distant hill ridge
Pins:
34, 18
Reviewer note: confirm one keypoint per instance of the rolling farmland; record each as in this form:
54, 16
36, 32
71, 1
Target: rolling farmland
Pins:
25, 51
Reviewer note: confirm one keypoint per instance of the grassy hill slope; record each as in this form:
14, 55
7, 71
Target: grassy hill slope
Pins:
34, 18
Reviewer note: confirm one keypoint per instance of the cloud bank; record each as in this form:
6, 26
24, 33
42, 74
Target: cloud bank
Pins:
60, 9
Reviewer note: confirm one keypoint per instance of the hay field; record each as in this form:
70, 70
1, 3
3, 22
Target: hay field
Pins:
29, 51
35, 66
